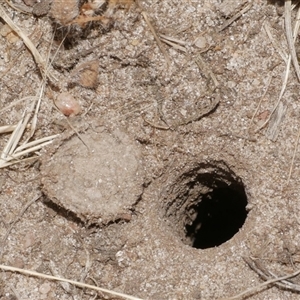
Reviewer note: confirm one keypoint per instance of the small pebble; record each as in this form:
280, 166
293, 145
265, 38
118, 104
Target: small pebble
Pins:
45, 288
201, 42
67, 104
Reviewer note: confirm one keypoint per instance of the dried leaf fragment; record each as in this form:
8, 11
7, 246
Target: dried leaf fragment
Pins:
64, 12
89, 8
86, 74
10, 35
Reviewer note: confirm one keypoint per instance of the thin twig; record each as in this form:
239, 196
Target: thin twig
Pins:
9, 152
157, 126
37, 56
260, 286
174, 45
9, 148
172, 39
9, 128
20, 7
76, 283
260, 101
158, 41
256, 265
274, 42
286, 76
173, 42
55, 272
11, 159
12, 104
28, 146
235, 17
290, 36
274, 124
35, 114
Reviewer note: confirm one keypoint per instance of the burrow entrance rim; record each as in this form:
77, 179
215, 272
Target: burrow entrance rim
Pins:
205, 204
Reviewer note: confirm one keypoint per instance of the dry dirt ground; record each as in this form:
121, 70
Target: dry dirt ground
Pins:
163, 186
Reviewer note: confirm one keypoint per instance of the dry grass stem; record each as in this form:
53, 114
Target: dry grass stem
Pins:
12, 104
290, 35
35, 145
8, 128
38, 58
174, 45
11, 152
256, 289
156, 126
23, 8
76, 283
274, 42
36, 110
11, 143
15, 158
173, 42
54, 271
177, 41
77, 133
158, 41
261, 270
260, 101
286, 76
279, 98
235, 17
275, 121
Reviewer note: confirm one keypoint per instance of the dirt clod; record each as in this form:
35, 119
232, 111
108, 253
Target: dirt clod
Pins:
100, 181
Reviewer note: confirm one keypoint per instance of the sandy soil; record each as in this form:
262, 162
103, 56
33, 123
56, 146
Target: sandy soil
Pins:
163, 186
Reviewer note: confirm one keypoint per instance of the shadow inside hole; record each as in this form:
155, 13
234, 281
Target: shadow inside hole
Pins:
219, 216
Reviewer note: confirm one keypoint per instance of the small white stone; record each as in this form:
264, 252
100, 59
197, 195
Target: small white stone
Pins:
45, 288
201, 42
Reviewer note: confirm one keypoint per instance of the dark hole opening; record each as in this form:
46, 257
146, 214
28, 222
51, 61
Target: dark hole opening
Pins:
219, 216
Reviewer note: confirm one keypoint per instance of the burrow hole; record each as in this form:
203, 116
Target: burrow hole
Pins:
207, 205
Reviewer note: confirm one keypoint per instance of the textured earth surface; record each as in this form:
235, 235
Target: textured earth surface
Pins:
168, 179
99, 180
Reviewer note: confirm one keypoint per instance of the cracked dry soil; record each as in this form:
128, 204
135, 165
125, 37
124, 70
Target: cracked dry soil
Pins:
167, 185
